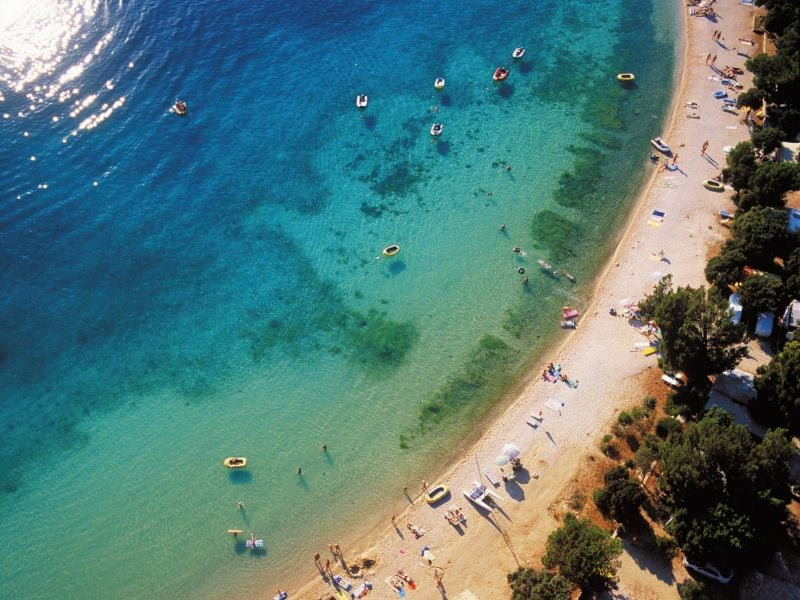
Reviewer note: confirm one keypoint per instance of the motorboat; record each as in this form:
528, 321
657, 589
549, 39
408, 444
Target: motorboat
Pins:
500, 73
569, 324
180, 108
437, 129
235, 462
439, 83
626, 77
568, 313
730, 109
436, 493
518, 52
391, 250
362, 100
660, 145
545, 265
570, 276
719, 94
481, 496
713, 185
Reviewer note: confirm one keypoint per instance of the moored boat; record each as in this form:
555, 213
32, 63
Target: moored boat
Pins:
362, 100
518, 52
235, 462
391, 250
660, 145
436, 493
713, 185
437, 129
545, 265
500, 73
439, 83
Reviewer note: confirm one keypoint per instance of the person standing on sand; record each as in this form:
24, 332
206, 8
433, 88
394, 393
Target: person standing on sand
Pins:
424, 485
317, 560
675, 158
708, 58
704, 148
328, 568
714, 59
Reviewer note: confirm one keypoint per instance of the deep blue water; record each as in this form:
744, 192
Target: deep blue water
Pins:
193, 287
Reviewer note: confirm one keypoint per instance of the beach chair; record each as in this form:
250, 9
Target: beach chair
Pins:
532, 423
491, 476
343, 583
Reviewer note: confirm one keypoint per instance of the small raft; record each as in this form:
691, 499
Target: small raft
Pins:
391, 250
235, 462
500, 73
713, 185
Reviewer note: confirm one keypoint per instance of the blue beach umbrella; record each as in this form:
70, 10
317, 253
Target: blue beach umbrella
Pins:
511, 451
502, 460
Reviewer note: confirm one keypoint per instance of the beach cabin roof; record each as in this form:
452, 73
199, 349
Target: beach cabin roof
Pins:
791, 317
735, 304
764, 324
793, 225
737, 385
789, 151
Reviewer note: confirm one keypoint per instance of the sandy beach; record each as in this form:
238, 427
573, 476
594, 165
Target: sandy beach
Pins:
600, 355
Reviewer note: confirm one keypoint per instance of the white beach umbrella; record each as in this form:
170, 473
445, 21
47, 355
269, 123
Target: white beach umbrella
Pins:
502, 460
511, 451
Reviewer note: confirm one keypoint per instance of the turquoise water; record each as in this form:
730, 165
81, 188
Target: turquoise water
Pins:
217, 291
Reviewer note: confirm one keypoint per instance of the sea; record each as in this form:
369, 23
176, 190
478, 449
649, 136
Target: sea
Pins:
181, 289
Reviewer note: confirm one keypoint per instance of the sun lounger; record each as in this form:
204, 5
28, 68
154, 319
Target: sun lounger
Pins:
532, 423
362, 590
649, 350
343, 583
491, 476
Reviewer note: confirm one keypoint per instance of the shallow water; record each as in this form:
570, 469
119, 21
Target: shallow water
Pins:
220, 290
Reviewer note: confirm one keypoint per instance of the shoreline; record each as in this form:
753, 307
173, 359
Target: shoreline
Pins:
555, 449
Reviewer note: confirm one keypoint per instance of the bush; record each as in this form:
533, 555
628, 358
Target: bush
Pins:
666, 547
605, 443
693, 590
666, 426
644, 457
621, 498
649, 403
624, 418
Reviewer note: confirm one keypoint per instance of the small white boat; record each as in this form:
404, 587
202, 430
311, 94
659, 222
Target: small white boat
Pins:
437, 129
479, 494
518, 52
545, 265
362, 100
439, 83
660, 145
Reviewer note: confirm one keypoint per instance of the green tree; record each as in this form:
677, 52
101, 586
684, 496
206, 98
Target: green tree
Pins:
761, 293
693, 590
697, 335
741, 166
727, 494
529, 584
768, 139
789, 121
583, 553
621, 497
771, 181
776, 76
752, 99
791, 274
759, 232
778, 387
725, 268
